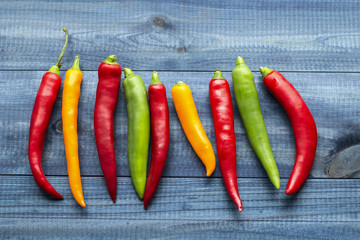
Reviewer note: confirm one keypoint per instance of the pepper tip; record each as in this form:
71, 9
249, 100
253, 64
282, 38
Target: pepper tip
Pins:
82, 203
146, 203
209, 171
289, 191
276, 182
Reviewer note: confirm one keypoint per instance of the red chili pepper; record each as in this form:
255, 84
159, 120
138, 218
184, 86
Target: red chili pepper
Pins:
106, 100
302, 122
222, 111
40, 117
160, 135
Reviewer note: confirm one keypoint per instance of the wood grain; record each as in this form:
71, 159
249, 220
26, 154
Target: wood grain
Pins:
316, 44
332, 98
324, 208
183, 35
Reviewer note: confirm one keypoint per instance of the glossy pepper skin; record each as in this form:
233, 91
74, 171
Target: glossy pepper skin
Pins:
223, 116
70, 100
248, 103
138, 129
302, 122
40, 117
105, 105
191, 124
160, 135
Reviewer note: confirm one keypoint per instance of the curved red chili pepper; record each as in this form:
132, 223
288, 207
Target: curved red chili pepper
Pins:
40, 117
44, 102
160, 135
222, 111
302, 122
106, 100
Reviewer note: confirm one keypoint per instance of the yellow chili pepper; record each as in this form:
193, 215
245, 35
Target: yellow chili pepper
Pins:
70, 100
190, 122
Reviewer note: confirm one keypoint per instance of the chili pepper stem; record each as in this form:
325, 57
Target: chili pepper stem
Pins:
128, 72
179, 83
155, 79
76, 63
55, 68
218, 74
111, 59
265, 71
239, 61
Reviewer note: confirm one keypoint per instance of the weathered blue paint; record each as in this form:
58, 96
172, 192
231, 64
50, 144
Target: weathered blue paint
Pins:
183, 35
185, 208
316, 45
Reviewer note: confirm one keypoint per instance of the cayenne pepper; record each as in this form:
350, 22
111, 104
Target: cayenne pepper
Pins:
106, 100
222, 111
40, 117
137, 106
249, 107
160, 135
70, 101
191, 124
302, 122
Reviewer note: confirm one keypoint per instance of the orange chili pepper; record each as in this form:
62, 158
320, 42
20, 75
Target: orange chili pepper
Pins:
190, 122
70, 100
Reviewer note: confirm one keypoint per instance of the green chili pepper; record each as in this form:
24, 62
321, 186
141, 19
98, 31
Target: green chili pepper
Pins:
249, 107
138, 128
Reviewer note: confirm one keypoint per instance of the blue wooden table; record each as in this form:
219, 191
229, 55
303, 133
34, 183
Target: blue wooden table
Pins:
315, 44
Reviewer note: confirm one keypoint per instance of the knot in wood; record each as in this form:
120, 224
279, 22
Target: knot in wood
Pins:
181, 49
58, 126
159, 21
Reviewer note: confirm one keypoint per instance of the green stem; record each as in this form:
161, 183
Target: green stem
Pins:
111, 60
55, 68
76, 63
155, 79
239, 60
265, 71
218, 74
128, 72
180, 83
58, 63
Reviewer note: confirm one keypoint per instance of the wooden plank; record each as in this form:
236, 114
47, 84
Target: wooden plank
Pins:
175, 229
332, 98
183, 35
182, 208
